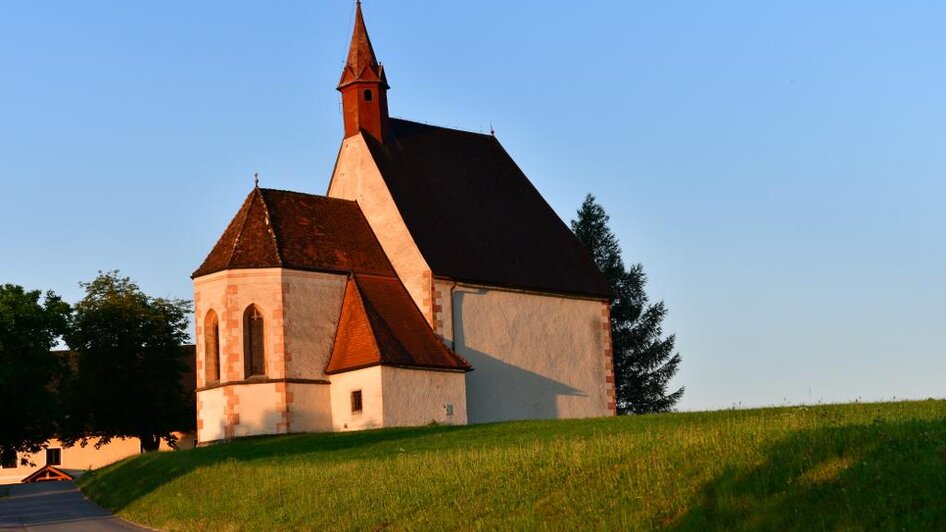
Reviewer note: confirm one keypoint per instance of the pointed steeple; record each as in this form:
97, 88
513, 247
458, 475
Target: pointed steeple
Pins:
363, 85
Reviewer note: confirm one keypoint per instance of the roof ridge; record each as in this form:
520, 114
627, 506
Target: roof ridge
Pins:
366, 305
271, 228
417, 312
355, 299
239, 234
445, 128
359, 295
308, 194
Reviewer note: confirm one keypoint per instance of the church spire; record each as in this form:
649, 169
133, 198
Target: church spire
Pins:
363, 85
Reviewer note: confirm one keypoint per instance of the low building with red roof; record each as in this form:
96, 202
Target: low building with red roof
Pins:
433, 283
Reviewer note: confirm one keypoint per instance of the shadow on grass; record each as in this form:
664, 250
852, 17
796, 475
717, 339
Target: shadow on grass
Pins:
882, 476
119, 485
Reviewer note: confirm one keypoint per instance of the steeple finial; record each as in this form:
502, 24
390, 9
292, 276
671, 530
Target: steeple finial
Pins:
256, 180
362, 65
363, 85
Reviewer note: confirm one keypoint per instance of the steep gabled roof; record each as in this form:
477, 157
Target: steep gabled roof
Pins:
476, 217
277, 228
381, 325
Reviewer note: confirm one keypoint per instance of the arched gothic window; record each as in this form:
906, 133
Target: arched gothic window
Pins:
211, 349
254, 363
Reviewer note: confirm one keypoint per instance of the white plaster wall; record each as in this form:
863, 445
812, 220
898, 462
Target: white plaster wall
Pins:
258, 406
311, 408
357, 177
212, 419
312, 304
368, 380
534, 356
418, 397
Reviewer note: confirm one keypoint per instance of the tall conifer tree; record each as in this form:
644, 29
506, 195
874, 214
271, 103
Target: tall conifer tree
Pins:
644, 361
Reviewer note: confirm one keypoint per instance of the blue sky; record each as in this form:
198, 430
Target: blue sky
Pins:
778, 169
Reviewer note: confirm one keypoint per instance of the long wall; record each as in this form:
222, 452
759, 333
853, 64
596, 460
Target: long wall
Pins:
534, 355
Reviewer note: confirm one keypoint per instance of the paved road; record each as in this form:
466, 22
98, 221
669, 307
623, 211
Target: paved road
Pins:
55, 506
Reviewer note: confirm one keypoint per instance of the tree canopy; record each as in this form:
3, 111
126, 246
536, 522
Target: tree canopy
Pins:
644, 361
130, 361
30, 325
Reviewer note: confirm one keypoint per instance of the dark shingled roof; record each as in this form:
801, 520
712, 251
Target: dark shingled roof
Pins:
381, 324
476, 217
276, 228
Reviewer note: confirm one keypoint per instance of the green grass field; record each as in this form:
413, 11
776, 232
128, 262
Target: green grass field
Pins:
837, 467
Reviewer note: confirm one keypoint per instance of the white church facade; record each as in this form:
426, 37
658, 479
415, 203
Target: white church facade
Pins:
432, 283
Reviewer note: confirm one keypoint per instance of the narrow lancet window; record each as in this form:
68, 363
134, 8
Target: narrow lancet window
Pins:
367, 95
211, 349
254, 361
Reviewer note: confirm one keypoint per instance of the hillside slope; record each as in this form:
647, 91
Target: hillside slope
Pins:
851, 466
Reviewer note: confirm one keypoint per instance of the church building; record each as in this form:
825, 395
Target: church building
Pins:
431, 284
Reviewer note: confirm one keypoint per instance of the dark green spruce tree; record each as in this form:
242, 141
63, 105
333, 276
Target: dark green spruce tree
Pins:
644, 361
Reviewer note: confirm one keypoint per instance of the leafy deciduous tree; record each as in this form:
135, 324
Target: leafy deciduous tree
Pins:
30, 324
644, 361
129, 364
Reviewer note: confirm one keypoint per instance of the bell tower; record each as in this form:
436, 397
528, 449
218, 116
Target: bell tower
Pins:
364, 86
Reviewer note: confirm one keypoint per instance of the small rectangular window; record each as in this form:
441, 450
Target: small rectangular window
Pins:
53, 456
356, 401
8, 460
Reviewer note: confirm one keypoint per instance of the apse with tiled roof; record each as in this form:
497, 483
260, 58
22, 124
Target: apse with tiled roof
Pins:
432, 255
275, 301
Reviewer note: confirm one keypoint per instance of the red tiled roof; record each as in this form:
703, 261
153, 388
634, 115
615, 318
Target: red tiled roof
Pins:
276, 228
476, 217
381, 325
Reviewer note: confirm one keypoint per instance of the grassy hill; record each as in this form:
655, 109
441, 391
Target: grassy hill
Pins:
847, 467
